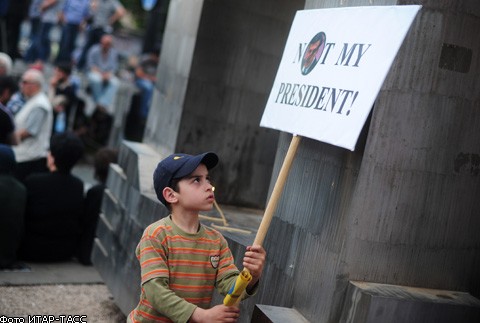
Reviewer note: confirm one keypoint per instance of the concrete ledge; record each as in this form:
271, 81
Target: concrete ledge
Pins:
380, 303
275, 314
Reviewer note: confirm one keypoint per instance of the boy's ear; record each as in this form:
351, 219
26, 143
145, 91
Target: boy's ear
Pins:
169, 195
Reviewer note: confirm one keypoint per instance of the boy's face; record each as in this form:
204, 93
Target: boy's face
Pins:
195, 191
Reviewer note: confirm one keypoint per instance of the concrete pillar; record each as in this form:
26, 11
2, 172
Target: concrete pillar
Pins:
218, 63
403, 208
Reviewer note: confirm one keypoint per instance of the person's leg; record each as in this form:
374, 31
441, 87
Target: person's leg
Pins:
95, 83
146, 90
108, 94
62, 46
73, 34
69, 34
83, 55
44, 49
101, 124
32, 53
13, 23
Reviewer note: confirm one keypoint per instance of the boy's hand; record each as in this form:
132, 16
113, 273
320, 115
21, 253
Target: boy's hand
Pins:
254, 261
219, 313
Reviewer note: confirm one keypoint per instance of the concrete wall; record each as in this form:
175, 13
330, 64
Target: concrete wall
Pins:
218, 63
404, 209
165, 113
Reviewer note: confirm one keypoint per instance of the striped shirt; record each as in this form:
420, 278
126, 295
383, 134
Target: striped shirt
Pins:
192, 265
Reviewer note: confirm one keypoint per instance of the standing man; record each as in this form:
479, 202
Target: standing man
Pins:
62, 95
34, 126
74, 13
49, 17
17, 11
34, 14
104, 14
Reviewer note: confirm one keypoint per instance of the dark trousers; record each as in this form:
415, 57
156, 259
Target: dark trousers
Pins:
101, 125
67, 43
43, 45
32, 52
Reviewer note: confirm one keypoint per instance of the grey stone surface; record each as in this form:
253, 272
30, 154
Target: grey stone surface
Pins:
379, 303
122, 104
275, 314
401, 210
128, 207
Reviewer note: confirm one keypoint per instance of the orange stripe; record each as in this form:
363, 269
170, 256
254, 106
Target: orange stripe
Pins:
226, 269
192, 263
193, 276
147, 250
161, 228
153, 317
159, 272
224, 250
198, 300
191, 251
202, 240
152, 261
192, 288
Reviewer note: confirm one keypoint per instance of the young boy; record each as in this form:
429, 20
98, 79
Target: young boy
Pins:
181, 260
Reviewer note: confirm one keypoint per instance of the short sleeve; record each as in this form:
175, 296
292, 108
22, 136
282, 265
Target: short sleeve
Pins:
152, 257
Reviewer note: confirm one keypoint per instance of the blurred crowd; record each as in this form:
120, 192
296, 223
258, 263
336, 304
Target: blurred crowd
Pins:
48, 120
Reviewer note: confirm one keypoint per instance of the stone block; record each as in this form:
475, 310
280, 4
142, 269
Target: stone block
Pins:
276, 314
379, 303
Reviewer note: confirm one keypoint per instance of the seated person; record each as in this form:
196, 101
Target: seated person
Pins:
145, 78
93, 202
102, 64
33, 125
54, 204
62, 95
13, 196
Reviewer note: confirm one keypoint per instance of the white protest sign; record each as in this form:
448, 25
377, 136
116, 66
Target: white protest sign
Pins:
332, 69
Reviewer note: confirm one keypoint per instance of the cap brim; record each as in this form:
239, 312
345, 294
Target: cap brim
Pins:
209, 159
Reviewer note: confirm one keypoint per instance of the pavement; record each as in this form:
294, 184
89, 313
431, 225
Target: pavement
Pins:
70, 272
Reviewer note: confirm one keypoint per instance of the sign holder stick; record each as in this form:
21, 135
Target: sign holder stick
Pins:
233, 296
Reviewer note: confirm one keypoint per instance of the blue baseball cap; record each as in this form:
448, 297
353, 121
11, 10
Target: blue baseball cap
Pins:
177, 166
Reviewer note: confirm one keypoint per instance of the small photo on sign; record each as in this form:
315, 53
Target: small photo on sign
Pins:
313, 52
